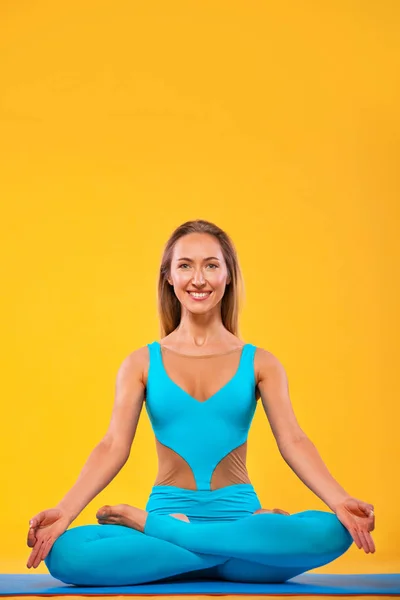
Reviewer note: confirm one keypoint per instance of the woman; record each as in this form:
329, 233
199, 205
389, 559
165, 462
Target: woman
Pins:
201, 384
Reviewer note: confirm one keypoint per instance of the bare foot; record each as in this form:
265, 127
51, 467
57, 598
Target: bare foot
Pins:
129, 516
122, 514
180, 516
274, 510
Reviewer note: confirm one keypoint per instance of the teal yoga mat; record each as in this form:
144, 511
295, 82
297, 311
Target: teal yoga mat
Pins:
313, 583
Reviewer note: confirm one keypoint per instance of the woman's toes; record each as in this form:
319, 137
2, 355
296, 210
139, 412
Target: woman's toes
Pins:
104, 511
262, 510
277, 511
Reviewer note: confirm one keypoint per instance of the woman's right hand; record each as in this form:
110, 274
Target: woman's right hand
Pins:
45, 528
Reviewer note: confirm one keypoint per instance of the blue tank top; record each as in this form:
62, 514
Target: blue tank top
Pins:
202, 433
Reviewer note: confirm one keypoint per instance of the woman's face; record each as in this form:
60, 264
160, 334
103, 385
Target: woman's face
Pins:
199, 273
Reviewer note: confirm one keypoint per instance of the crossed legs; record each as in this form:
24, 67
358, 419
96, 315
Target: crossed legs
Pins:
264, 547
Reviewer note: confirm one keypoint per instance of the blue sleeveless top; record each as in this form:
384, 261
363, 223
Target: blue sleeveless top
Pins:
202, 433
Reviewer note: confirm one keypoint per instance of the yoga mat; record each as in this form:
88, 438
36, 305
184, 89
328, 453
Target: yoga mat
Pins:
387, 584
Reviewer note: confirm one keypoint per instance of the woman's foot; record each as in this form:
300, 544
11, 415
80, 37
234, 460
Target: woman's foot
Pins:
274, 510
129, 516
122, 514
180, 516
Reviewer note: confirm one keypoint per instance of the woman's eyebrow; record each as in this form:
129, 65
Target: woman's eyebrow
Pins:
190, 260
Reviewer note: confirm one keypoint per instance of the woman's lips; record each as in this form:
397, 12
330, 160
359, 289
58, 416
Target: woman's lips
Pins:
202, 297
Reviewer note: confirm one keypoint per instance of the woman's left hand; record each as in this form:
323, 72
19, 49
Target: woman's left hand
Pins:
359, 519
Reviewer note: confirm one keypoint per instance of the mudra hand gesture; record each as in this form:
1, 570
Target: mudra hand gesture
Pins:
359, 518
45, 528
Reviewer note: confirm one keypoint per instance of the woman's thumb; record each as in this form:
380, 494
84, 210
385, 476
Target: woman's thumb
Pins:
34, 522
37, 519
368, 509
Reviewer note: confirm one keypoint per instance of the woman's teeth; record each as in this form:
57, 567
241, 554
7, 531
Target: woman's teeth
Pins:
199, 295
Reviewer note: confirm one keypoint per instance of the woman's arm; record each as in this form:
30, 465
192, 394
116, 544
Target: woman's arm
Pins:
304, 459
112, 452
296, 448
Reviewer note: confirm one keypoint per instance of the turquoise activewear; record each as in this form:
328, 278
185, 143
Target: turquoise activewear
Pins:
202, 433
224, 539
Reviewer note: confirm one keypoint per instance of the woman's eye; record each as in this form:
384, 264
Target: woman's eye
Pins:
209, 265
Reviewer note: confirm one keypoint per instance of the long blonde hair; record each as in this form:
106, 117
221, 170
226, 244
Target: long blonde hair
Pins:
169, 307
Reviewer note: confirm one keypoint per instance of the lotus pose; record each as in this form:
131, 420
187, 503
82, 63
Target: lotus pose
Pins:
200, 384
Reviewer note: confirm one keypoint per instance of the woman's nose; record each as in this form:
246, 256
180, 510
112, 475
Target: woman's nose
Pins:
198, 278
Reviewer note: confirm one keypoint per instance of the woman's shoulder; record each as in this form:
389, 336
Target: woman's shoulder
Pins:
266, 364
137, 358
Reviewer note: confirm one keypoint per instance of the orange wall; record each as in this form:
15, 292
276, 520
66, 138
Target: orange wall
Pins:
277, 120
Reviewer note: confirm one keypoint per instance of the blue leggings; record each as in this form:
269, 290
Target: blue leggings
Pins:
224, 540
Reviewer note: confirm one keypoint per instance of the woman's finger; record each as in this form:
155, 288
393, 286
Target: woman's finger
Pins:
38, 555
371, 523
31, 538
46, 548
356, 538
38, 559
369, 542
33, 555
364, 542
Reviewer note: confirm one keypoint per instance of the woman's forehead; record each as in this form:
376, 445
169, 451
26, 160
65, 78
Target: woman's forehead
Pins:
197, 246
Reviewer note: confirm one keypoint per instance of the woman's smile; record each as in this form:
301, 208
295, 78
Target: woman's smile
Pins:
199, 295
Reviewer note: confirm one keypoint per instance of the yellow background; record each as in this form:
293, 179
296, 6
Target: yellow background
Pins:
279, 121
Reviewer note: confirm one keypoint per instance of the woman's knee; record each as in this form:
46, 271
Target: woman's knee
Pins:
65, 560
328, 533
312, 532
59, 560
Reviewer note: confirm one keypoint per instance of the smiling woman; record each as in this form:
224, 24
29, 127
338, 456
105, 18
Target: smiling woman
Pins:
200, 382
199, 263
